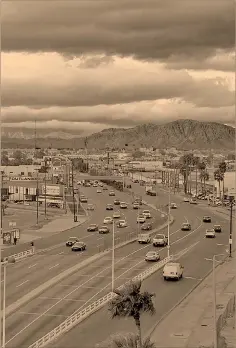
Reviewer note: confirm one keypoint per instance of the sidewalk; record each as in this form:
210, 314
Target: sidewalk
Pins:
190, 324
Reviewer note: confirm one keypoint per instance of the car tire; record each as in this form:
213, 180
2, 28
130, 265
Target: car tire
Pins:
165, 278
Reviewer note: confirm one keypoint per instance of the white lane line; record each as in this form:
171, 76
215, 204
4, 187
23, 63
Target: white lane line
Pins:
88, 280
31, 266
54, 266
48, 315
58, 298
26, 281
193, 278
61, 253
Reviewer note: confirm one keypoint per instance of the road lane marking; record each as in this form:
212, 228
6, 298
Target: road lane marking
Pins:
192, 278
58, 298
61, 253
48, 315
54, 266
95, 276
26, 281
31, 266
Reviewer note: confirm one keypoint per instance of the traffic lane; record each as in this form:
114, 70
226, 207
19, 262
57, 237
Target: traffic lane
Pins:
57, 238
98, 285
61, 300
167, 295
30, 273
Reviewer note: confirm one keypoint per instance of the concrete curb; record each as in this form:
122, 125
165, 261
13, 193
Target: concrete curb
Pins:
150, 332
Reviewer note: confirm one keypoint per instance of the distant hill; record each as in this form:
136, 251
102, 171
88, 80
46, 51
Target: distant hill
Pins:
182, 134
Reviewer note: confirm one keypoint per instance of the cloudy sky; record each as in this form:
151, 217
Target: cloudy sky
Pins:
90, 65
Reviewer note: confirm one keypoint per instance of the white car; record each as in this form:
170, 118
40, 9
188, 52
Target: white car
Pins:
123, 205
173, 206
147, 214
99, 191
193, 201
210, 233
122, 223
95, 185
108, 220
186, 199
141, 219
116, 215
90, 207
160, 240
152, 256
173, 270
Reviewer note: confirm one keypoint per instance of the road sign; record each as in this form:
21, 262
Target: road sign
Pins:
16, 233
12, 224
7, 237
232, 192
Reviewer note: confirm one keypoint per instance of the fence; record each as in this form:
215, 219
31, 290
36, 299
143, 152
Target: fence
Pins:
20, 256
77, 318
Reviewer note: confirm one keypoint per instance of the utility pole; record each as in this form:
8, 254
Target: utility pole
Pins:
37, 198
231, 226
45, 189
73, 191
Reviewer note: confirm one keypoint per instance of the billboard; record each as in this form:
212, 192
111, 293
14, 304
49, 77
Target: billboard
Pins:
52, 190
231, 192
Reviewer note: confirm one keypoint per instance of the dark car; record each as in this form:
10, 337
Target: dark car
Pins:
92, 228
146, 227
79, 246
206, 219
83, 199
136, 181
103, 230
112, 193
71, 241
151, 193
116, 202
109, 207
217, 228
186, 226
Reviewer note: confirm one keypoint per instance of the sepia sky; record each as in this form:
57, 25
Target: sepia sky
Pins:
90, 65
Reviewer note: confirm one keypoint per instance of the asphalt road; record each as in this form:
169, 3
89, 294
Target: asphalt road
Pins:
26, 275
44, 313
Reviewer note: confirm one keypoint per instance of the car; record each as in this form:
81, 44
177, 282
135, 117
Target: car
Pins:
206, 219
138, 201
116, 202
186, 226
173, 270
95, 185
112, 193
217, 228
147, 214
122, 223
105, 188
146, 227
92, 228
103, 230
136, 205
123, 205
193, 201
186, 199
99, 190
135, 181
141, 219
210, 233
116, 215
109, 207
108, 220
173, 206
83, 199
71, 241
78, 246
152, 256
90, 207
100, 184
87, 184
144, 238
160, 240
151, 193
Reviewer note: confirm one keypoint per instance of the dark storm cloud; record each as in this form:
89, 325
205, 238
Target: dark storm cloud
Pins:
89, 91
157, 29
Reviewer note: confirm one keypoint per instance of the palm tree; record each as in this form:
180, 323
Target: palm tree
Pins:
131, 302
204, 176
187, 162
223, 168
202, 169
218, 176
125, 341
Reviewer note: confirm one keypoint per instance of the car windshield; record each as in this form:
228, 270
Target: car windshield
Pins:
72, 238
151, 253
93, 225
122, 221
107, 218
104, 227
217, 226
146, 211
159, 236
79, 244
185, 224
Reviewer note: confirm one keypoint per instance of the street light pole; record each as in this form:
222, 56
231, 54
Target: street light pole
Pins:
168, 226
37, 199
113, 257
4, 307
231, 227
45, 190
73, 191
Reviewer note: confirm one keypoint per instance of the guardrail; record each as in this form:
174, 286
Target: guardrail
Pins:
20, 256
77, 318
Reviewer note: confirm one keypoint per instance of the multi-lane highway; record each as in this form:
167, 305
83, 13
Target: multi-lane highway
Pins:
77, 291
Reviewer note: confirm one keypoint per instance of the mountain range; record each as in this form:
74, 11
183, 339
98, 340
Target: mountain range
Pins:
181, 134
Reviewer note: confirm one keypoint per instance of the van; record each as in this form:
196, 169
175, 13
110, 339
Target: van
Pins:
173, 270
144, 238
